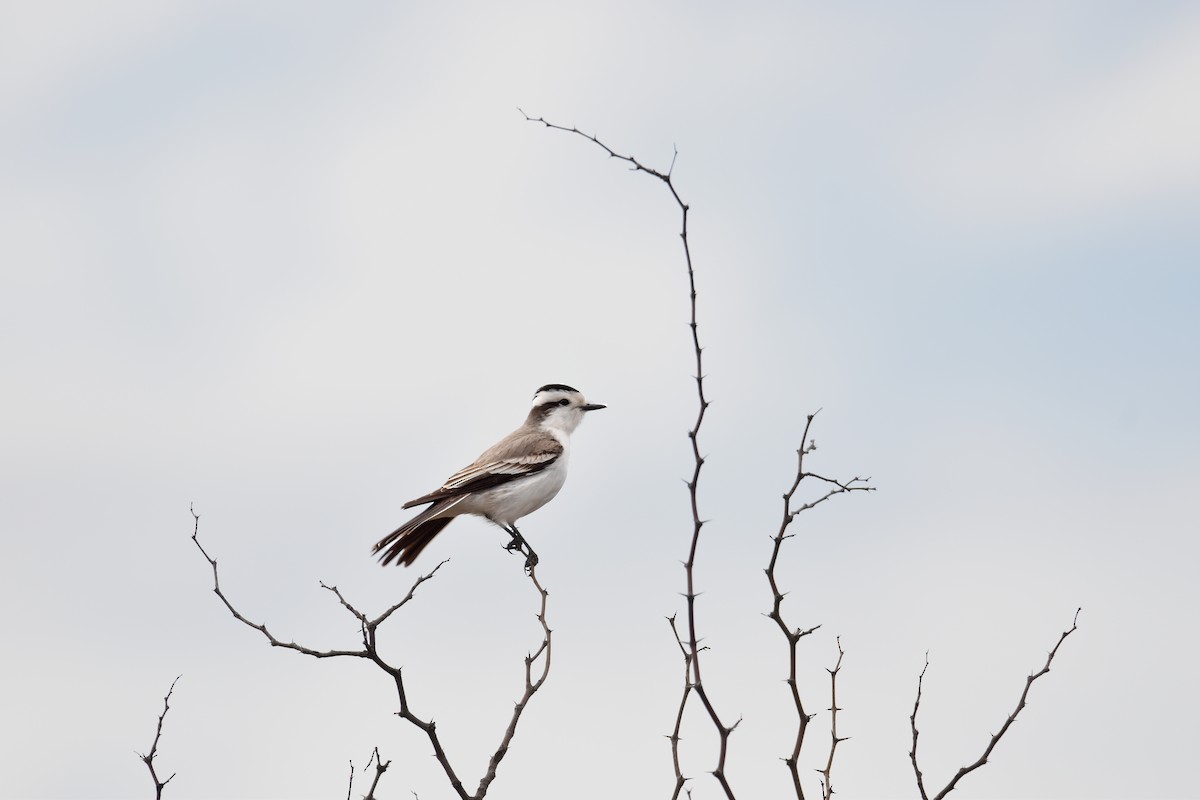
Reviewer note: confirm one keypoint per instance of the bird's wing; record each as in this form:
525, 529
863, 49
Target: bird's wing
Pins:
521, 453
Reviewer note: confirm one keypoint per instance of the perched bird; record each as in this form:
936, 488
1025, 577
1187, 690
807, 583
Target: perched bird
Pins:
514, 477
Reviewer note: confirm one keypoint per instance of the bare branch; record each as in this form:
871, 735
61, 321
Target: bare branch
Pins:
680, 780
148, 758
912, 754
375, 623
369, 627
532, 684
689, 645
633, 162
262, 628
695, 684
995, 739
793, 636
827, 773
380, 768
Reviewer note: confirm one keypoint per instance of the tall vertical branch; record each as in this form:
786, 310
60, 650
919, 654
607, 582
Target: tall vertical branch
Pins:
695, 682
794, 635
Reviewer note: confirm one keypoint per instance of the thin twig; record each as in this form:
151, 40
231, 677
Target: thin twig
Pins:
695, 683
532, 684
912, 754
148, 758
261, 628
995, 739
793, 636
834, 739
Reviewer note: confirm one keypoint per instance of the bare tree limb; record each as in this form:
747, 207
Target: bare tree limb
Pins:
148, 758
695, 684
369, 631
995, 739
793, 636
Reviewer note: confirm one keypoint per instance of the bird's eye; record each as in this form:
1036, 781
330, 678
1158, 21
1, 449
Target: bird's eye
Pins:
564, 402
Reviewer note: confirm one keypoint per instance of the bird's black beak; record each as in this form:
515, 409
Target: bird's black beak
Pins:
592, 407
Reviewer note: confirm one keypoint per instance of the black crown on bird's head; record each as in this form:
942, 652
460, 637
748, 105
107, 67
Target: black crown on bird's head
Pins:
556, 387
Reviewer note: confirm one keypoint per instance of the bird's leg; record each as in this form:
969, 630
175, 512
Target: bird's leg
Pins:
519, 545
518, 541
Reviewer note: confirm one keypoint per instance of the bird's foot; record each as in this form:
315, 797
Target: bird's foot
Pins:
519, 545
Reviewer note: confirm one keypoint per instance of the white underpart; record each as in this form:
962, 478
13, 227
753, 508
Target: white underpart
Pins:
510, 501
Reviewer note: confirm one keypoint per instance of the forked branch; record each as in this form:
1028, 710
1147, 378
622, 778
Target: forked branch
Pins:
979, 762
536, 662
694, 683
380, 768
793, 636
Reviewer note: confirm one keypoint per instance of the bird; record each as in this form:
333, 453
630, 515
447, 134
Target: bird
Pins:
511, 479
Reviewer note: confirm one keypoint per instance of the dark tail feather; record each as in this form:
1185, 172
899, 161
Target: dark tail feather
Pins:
404, 544
410, 545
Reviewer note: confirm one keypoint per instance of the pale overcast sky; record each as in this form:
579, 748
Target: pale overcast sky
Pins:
297, 263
